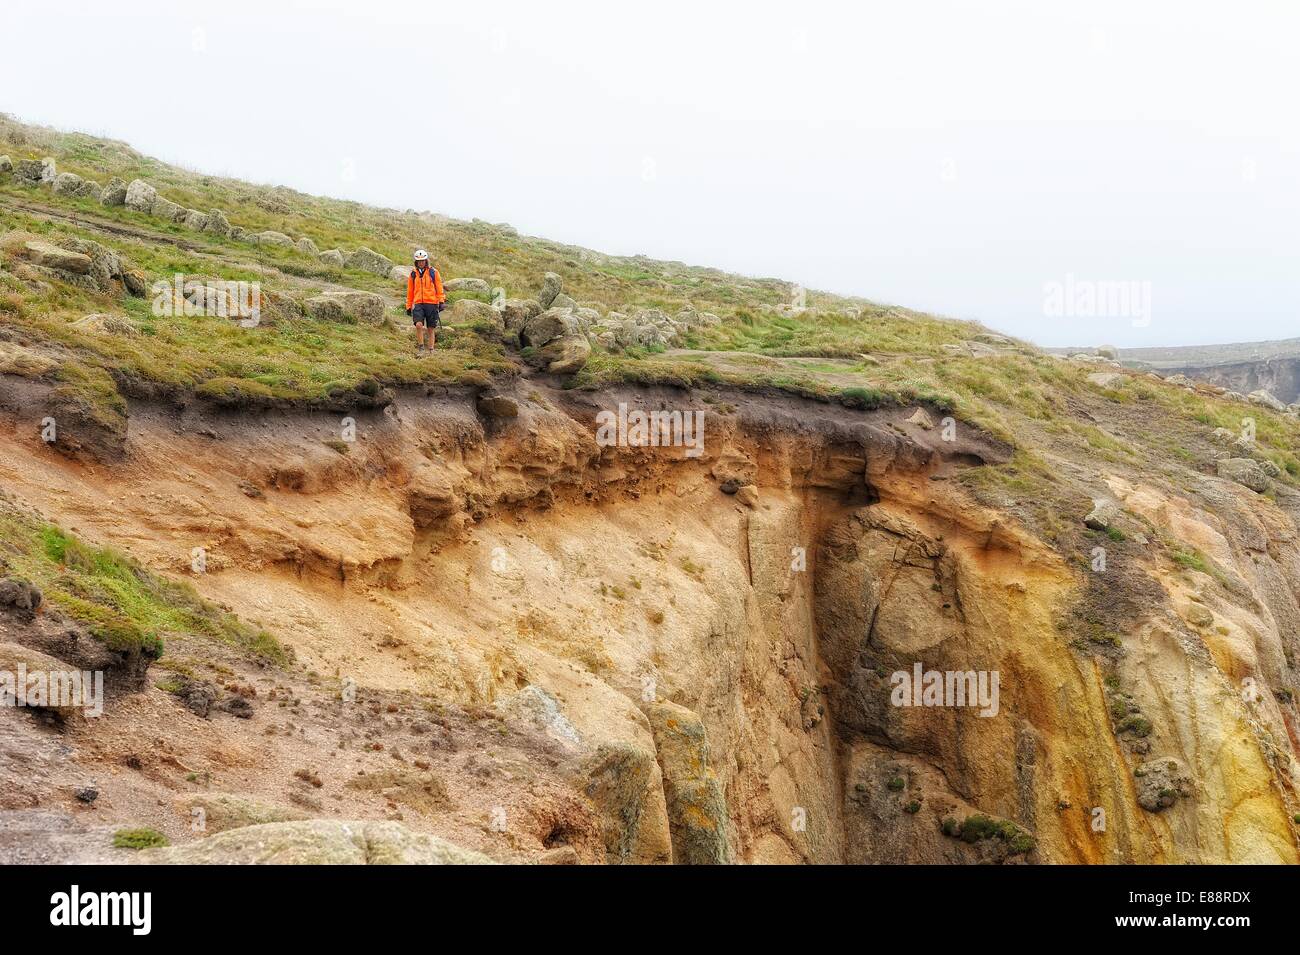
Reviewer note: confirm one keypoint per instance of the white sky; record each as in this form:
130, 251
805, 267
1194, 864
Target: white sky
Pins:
953, 157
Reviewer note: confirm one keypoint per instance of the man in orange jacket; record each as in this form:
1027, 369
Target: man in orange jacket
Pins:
424, 299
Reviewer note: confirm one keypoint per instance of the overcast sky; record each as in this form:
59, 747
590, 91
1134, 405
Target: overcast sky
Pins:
979, 160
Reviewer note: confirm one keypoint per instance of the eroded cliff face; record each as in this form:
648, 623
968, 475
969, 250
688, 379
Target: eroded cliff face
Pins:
714, 671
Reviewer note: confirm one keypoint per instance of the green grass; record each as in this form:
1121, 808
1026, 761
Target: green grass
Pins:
139, 839
122, 604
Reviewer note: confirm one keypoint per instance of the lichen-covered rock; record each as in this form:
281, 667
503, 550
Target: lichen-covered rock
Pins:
163, 208
217, 224
114, 193
316, 842
333, 257
1266, 400
1245, 471
1161, 783
198, 221
305, 244
6, 164
467, 310
368, 260
140, 196
697, 808
271, 237
28, 172
516, 311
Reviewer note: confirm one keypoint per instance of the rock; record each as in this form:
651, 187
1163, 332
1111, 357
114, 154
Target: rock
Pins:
6, 164
136, 282
367, 260
747, 494
316, 842
86, 794
218, 224
398, 273
625, 785
536, 706
66, 184
24, 362
920, 419
49, 171
563, 301
466, 310
1160, 783
552, 284
497, 406
1108, 351
53, 257
333, 257
477, 286
221, 812
28, 172
305, 244
545, 326
101, 324
198, 221
1269, 468
587, 318
697, 808
1104, 515
167, 210
1244, 471
114, 193
140, 196
271, 237
1266, 399
343, 304
1197, 615
19, 594
567, 354
516, 311
1105, 379
1223, 436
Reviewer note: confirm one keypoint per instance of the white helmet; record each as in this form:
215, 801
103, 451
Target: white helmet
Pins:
421, 255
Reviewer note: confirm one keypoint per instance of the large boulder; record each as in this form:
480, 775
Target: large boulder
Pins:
368, 260
1244, 471
558, 344
477, 286
23, 361
271, 237
114, 193
697, 807
545, 326
198, 221
567, 354
140, 196
305, 244
468, 310
316, 842
6, 164
333, 257
28, 172
51, 675
66, 184
552, 285
341, 305
49, 171
1104, 515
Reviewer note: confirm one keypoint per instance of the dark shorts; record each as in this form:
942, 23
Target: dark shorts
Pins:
425, 313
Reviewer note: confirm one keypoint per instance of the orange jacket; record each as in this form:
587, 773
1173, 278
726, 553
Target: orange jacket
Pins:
424, 286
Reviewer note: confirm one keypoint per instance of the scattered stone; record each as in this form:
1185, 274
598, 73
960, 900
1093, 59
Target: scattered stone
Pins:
497, 406
921, 419
1104, 515
1160, 783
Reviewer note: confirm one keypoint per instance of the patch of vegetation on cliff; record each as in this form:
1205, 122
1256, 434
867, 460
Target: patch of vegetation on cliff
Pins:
118, 601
